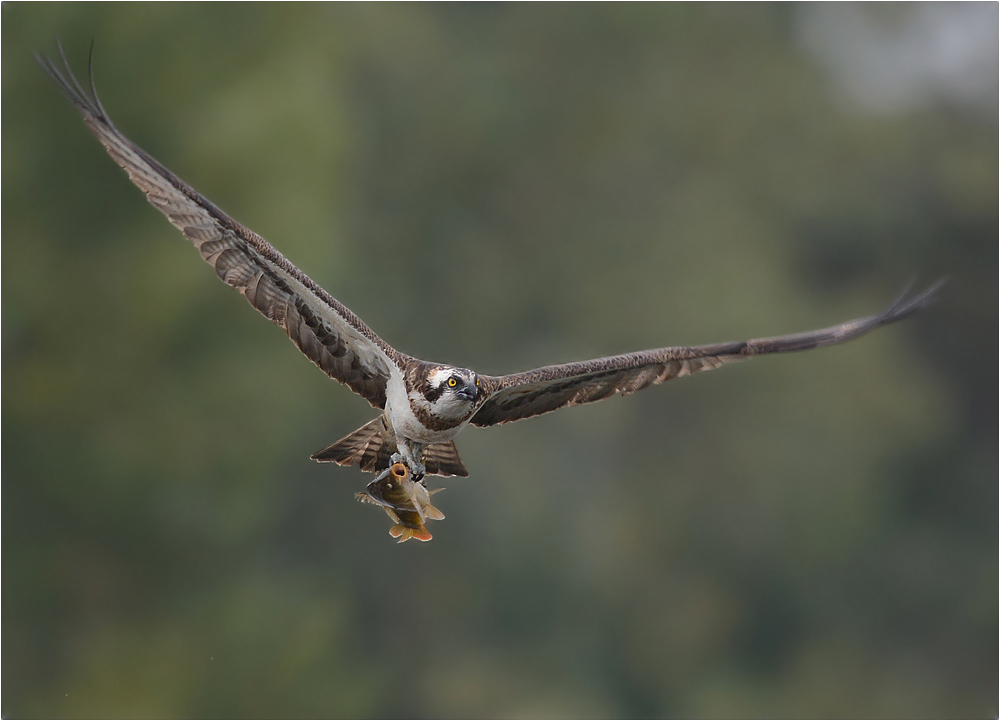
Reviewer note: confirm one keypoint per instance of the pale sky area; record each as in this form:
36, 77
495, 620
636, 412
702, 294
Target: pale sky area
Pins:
900, 57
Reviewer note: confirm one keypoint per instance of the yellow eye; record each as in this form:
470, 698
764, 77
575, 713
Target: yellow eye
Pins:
477, 382
452, 382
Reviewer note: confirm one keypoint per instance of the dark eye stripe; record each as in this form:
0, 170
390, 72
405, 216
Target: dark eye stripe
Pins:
432, 394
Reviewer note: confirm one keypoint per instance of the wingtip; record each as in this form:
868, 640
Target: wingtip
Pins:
67, 82
904, 306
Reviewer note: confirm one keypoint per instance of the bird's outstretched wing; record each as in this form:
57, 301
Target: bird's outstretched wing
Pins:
532, 393
329, 334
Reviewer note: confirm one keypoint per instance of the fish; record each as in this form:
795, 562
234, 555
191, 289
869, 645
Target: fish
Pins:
405, 501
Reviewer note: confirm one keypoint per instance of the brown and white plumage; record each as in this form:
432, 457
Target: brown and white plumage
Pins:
539, 391
329, 334
425, 404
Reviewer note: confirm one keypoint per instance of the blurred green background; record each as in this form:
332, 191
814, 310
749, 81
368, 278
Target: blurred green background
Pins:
503, 187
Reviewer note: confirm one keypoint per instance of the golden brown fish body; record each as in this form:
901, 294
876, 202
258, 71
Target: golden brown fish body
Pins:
407, 502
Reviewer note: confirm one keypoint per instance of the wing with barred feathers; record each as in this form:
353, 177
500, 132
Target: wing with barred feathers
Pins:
329, 334
539, 391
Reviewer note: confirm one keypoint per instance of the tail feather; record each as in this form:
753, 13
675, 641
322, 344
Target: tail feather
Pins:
371, 448
441, 459
366, 447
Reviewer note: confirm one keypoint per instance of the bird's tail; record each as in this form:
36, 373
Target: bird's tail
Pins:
371, 448
366, 447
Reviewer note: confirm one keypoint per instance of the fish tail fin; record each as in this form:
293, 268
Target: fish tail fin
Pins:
422, 534
404, 533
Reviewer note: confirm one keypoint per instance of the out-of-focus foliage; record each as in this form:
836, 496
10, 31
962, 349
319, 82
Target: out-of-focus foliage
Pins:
502, 187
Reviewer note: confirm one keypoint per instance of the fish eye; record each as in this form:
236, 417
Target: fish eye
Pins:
452, 382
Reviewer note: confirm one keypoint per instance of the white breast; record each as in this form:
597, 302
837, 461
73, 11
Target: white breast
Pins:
400, 415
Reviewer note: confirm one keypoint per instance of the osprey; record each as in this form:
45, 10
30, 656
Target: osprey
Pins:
424, 405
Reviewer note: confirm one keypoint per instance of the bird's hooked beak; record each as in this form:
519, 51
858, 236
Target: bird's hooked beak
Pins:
469, 392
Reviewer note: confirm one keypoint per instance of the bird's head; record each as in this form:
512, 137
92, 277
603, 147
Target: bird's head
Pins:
450, 392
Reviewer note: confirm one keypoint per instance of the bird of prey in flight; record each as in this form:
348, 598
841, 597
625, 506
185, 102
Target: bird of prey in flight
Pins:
423, 405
